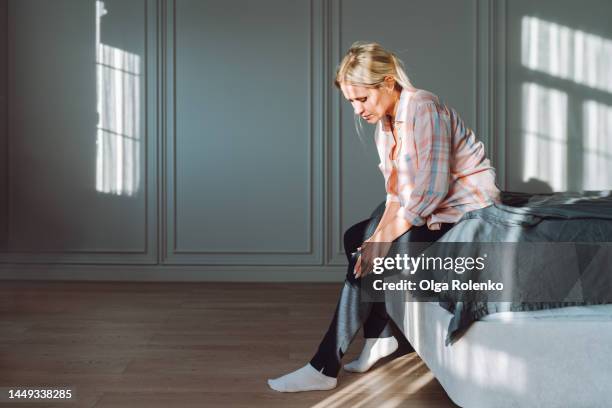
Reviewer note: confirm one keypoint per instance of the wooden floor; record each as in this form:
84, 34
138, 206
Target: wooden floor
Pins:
186, 345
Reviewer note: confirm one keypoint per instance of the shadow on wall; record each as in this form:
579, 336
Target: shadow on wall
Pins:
534, 185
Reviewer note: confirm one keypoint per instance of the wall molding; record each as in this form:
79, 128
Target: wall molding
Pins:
335, 245
170, 273
492, 83
4, 123
485, 97
312, 254
148, 255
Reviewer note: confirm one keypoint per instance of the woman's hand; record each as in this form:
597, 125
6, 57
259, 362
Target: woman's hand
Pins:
369, 251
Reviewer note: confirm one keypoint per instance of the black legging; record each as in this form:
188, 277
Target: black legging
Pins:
351, 311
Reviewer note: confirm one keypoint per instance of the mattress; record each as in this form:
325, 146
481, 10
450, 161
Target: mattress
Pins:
547, 358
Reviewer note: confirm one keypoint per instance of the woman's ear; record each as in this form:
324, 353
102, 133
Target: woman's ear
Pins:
389, 83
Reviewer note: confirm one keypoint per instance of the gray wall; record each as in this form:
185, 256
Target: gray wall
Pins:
203, 140
559, 95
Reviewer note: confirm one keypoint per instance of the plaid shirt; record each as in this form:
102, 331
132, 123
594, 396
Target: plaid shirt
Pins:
438, 171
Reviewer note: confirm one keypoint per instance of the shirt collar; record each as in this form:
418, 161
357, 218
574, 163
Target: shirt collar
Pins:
402, 110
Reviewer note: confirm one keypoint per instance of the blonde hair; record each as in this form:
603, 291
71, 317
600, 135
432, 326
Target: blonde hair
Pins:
367, 64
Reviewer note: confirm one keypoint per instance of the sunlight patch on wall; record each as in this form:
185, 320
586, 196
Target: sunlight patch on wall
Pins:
544, 131
566, 53
118, 107
597, 159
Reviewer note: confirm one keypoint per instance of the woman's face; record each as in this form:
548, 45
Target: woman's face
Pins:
372, 104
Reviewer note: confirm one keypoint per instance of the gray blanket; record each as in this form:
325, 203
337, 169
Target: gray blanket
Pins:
552, 250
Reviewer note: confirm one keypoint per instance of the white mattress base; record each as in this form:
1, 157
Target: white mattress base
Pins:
553, 358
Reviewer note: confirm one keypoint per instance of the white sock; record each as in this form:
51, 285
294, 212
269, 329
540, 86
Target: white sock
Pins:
373, 350
306, 378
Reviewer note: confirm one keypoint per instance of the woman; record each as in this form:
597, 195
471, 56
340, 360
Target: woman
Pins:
435, 171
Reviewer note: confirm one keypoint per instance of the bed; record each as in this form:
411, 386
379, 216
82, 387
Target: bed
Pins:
559, 357
525, 354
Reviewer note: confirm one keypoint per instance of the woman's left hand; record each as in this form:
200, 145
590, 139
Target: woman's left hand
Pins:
369, 251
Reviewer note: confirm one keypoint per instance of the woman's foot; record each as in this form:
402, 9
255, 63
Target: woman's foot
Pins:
373, 350
306, 378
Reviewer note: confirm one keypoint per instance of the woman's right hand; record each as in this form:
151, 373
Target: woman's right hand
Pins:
368, 252
358, 269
